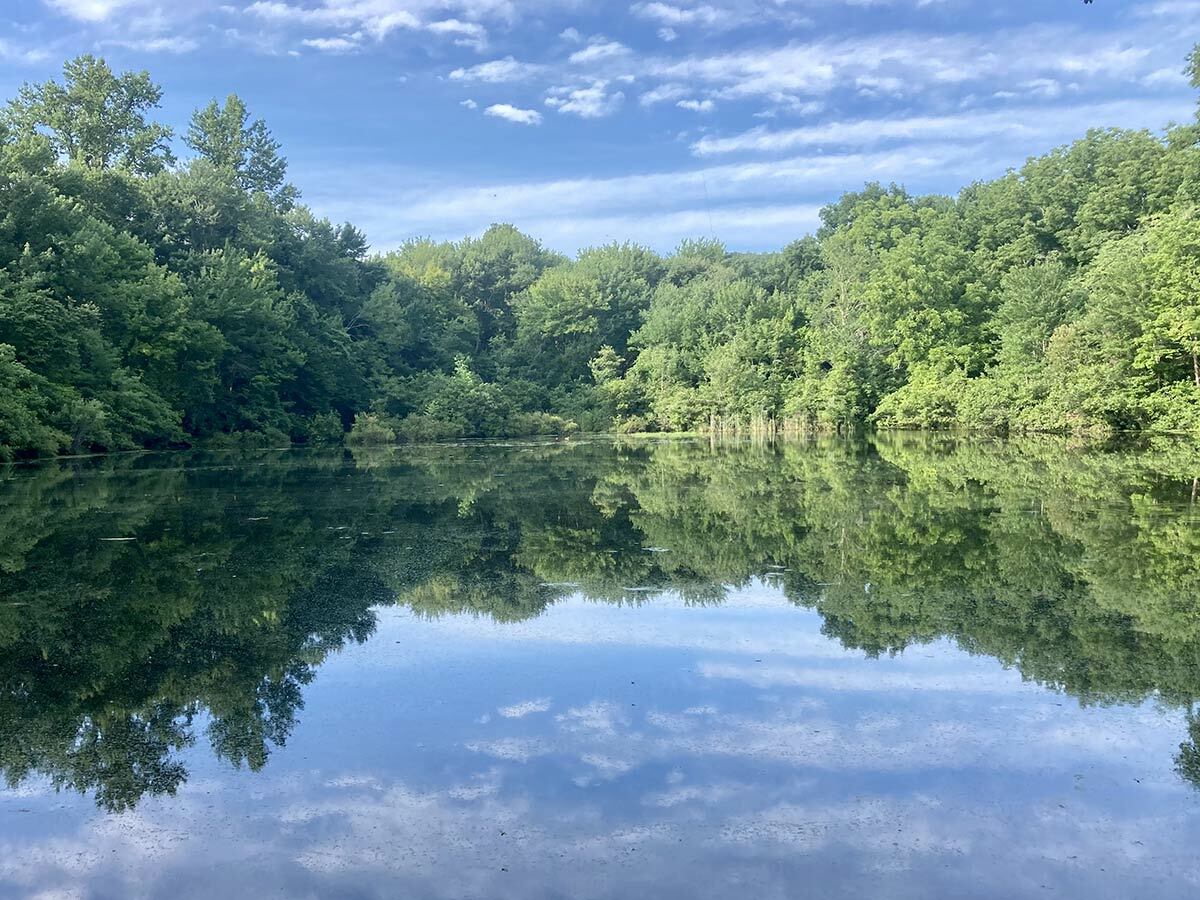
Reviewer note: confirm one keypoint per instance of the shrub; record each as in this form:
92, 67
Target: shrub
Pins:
419, 429
538, 423
323, 428
370, 430
262, 439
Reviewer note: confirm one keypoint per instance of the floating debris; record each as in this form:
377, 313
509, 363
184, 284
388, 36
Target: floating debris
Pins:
119, 540
656, 549
258, 518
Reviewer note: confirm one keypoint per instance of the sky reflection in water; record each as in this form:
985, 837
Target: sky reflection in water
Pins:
906, 668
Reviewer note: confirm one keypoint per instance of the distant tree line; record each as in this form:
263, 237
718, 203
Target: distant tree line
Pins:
147, 301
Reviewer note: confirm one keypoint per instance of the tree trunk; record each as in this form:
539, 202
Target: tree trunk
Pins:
1196, 367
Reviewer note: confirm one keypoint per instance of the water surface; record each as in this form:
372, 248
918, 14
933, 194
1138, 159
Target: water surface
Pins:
907, 667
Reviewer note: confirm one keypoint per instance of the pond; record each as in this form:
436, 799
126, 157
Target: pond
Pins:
906, 666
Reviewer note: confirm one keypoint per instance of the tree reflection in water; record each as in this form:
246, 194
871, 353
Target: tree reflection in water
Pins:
147, 602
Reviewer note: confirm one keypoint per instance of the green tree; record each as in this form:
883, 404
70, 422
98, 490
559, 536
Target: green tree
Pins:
97, 119
489, 271
225, 136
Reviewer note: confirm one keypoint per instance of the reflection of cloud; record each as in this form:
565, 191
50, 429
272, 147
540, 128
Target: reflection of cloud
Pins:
499, 834
879, 825
608, 765
514, 749
527, 708
772, 626
837, 679
451, 842
780, 771
672, 721
709, 795
598, 716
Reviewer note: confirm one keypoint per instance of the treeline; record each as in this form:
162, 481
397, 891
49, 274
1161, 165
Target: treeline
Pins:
148, 301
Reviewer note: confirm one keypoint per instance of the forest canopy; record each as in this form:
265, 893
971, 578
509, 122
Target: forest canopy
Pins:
150, 300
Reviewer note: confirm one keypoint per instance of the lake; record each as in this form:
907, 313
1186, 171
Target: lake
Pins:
904, 667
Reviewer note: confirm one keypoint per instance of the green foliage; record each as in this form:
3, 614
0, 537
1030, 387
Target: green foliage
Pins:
225, 136
97, 119
540, 423
369, 431
491, 270
25, 409
145, 303
322, 428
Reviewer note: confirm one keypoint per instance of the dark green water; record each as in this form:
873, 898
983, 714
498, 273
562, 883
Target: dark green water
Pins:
904, 668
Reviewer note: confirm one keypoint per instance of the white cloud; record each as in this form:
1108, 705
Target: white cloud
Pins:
498, 71
664, 93
156, 45
670, 15
1166, 77
378, 18
469, 104
593, 101
14, 53
461, 20
720, 16
512, 113
466, 34
332, 45
599, 49
1030, 123
921, 63
700, 106
1171, 8
879, 85
89, 10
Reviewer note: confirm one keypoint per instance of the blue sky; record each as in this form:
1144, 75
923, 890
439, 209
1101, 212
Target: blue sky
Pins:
584, 121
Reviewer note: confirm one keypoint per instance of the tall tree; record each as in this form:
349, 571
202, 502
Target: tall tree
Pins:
225, 136
95, 118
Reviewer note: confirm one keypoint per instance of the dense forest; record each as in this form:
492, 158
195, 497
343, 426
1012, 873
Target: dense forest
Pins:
232, 584
149, 301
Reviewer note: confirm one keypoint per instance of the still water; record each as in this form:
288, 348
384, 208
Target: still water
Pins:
906, 667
